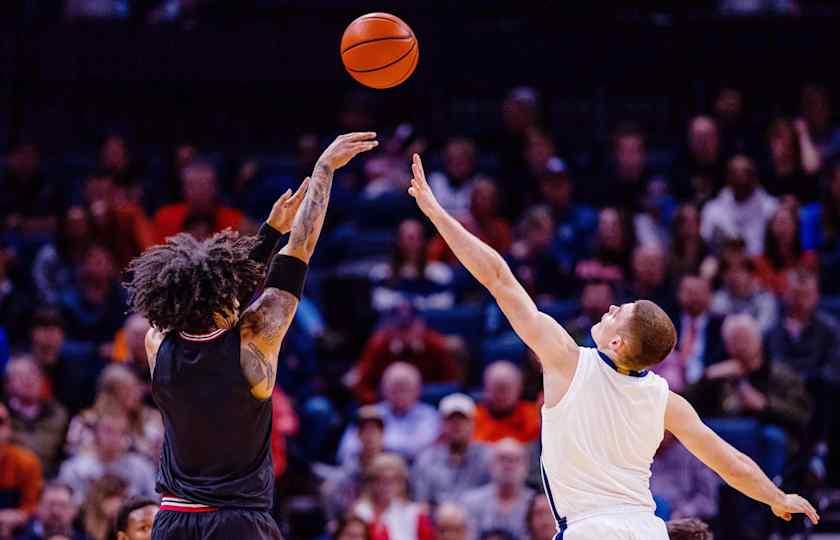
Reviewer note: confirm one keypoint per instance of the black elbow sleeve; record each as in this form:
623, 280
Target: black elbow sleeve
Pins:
288, 274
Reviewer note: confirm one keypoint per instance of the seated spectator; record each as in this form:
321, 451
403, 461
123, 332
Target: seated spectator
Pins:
573, 222
410, 276
403, 338
21, 479
650, 276
385, 174
701, 168
454, 464
114, 221
689, 487
689, 253
700, 343
342, 487
94, 305
284, 424
130, 348
503, 503
106, 495
627, 173
596, 297
55, 517
200, 191
72, 368
540, 518
15, 302
55, 263
503, 414
482, 219
119, 390
688, 529
451, 522
454, 184
115, 161
741, 293
109, 455
816, 110
410, 426
735, 129
782, 251
29, 203
351, 528
534, 261
651, 222
613, 245
741, 209
792, 161
385, 506
135, 519
38, 420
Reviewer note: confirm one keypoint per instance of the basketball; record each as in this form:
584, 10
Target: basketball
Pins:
379, 50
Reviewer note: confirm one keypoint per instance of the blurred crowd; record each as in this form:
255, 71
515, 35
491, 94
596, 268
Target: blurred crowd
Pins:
405, 407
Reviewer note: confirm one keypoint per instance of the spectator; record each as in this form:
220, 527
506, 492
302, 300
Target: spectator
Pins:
455, 464
403, 338
613, 245
793, 161
689, 252
351, 528
741, 209
451, 522
573, 222
15, 303
520, 113
385, 174
30, 203
200, 192
109, 456
688, 529
534, 261
115, 221
344, 486
135, 519
596, 297
410, 426
701, 169
650, 276
782, 251
483, 220
736, 133
540, 519
410, 276
130, 348
21, 479
115, 160
38, 420
72, 368
453, 186
118, 390
627, 173
504, 414
816, 110
651, 222
385, 505
502, 504
284, 424
741, 293
56, 262
106, 495
677, 477
94, 307
55, 517
700, 343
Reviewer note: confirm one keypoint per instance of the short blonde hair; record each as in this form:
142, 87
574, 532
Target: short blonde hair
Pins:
651, 334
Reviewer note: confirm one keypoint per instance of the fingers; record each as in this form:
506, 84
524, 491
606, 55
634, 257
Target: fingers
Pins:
417, 169
301, 191
359, 136
809, 511
358, 148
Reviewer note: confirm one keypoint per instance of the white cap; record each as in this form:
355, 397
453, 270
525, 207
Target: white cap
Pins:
457, 403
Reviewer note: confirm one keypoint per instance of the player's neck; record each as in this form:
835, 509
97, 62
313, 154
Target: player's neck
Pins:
612, 355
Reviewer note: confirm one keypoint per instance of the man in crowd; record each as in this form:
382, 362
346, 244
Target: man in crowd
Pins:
135, 519
451, 522
21, 479
503, 413
455, 183
650, 276
455, 464
503, 503
55, 516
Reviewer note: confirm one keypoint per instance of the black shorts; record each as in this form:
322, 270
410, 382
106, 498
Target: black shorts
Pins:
224, 524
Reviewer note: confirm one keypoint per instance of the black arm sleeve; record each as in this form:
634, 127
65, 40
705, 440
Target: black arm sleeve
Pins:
267, 240
287, 274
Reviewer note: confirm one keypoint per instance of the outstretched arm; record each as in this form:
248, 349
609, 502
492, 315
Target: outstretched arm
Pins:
552, 344
736, 469
265, 322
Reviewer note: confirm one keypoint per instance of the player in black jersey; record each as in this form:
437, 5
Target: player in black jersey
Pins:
213, 369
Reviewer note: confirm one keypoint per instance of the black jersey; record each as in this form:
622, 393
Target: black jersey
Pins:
217, 444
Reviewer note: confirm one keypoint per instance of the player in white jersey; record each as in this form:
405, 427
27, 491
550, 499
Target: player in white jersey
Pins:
604, 413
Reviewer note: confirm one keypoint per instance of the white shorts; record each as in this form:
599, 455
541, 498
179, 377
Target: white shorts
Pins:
619, 526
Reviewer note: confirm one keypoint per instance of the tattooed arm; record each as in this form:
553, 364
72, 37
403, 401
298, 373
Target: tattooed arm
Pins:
265, 322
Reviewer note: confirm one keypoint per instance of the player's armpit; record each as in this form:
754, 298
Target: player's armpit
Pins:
263, 326
154, 338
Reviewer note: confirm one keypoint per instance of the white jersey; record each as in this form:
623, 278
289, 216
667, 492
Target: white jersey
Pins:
598, 442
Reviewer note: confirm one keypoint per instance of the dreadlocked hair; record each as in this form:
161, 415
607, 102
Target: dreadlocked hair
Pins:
180, 284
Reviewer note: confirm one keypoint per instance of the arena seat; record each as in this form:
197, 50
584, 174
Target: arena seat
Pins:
506, 346
465, 320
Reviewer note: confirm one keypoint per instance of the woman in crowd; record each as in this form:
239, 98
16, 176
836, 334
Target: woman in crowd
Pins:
792, 161
55, 262
782, 251
689, 252
104, 499
351, 528
540, 520
612, 248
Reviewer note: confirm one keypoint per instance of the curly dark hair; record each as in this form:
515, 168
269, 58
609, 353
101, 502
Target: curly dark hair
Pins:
179, 285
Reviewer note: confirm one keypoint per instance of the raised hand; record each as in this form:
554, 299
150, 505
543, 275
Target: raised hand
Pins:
285, 208
794, 504
420, 189
346, 147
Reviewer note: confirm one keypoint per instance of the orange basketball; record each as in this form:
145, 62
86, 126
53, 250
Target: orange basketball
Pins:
379, 50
